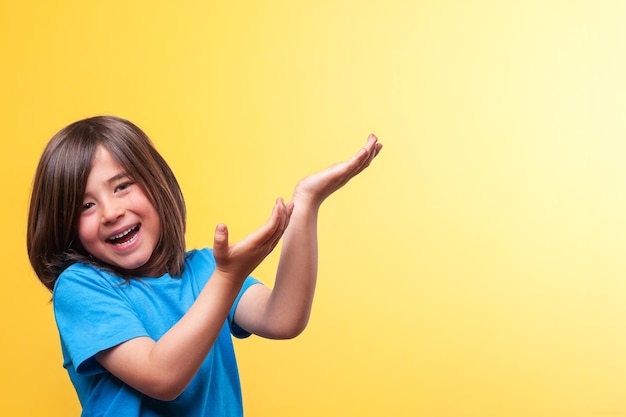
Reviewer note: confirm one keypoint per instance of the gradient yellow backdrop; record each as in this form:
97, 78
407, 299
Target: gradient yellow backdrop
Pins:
475, 270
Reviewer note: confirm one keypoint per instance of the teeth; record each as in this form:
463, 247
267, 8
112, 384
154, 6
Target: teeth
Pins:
128, 242
123, 233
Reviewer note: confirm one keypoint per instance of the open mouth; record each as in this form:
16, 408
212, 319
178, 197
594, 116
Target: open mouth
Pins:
125, 238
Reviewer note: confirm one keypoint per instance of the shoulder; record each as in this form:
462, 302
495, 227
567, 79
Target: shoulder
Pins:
81, 272
199, 266
200, 258
86, 280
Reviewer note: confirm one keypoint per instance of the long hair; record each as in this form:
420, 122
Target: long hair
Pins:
59, 187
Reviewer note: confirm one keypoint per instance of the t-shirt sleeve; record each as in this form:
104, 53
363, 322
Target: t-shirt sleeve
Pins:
208, 257
237, 331
92, 316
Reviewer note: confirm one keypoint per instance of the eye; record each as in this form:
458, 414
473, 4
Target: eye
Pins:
123, 186
87, 206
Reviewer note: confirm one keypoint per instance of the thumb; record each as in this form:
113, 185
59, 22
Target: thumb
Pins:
220, 241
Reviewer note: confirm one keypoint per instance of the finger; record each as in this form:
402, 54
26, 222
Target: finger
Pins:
288, 210
371, 140
367, 151
355, 165
220, 241
270, 233
373, 154
367, 154
285, 211
359, 161
279, 222
372, 146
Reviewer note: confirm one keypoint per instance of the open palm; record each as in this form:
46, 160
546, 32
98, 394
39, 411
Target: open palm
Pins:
319, 186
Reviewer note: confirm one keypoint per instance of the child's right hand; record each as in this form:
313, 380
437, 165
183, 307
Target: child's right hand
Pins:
238, 260
163, 369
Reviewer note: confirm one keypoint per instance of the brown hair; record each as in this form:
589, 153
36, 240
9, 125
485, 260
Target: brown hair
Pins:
59, 187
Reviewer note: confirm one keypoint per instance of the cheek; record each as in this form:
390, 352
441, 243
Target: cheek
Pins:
155, 224
148, 211
87, 232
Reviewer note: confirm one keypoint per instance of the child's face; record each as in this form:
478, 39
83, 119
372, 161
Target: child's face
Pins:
118, 224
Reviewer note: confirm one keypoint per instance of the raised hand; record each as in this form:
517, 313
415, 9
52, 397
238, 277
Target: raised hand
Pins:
238, 260
317, 187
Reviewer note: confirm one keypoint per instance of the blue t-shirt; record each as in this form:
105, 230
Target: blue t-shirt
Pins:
96, 310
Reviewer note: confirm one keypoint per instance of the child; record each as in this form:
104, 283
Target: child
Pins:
145, 326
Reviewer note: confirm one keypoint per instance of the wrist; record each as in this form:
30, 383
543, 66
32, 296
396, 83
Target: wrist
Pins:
225, 283
303, 200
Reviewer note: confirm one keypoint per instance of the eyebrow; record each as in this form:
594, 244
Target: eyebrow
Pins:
117, 177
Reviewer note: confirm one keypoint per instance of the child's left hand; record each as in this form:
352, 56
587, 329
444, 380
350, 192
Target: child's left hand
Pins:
317, 187
283, 312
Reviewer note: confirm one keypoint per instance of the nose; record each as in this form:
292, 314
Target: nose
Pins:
111, 210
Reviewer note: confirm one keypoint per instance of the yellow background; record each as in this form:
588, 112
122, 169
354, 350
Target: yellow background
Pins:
475, 270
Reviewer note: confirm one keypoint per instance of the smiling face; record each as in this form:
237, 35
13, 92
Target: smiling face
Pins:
118, 224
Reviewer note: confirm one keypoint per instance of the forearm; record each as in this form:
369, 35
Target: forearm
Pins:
289, 305
183, 349
284, 311
162, 369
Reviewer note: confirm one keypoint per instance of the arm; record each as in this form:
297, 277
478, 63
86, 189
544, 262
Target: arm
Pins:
283, 312
162, 369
